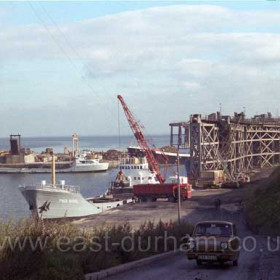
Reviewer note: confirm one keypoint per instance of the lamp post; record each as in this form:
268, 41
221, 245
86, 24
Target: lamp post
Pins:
179, 187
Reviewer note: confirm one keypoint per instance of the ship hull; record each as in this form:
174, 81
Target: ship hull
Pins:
62, 203
101, 167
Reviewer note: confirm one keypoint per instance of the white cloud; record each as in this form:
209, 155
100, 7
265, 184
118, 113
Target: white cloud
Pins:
188, 57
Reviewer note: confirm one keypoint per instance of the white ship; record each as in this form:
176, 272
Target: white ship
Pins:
80, 165
132, 171
135, 171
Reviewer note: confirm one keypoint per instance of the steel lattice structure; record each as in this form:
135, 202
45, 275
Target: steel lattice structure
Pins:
233, 144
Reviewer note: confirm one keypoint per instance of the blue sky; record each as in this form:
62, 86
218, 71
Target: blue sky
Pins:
69, 11
63, 63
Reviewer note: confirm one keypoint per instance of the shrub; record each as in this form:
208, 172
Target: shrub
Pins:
263, 206
46, 250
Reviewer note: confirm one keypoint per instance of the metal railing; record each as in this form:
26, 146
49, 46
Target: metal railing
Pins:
70, 188
135, 160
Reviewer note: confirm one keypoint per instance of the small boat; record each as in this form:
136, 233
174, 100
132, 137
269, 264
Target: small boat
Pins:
82, 164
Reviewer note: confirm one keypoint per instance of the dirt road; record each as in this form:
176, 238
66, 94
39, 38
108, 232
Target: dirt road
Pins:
256, 265
165, 211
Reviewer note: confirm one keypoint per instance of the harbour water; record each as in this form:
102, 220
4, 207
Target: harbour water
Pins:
12, 203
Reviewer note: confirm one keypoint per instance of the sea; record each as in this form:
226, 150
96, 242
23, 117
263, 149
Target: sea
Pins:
12, 203
97, 143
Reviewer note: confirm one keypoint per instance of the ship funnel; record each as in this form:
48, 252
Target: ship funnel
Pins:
53, 170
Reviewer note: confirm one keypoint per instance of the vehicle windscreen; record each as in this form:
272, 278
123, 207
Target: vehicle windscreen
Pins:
213, 229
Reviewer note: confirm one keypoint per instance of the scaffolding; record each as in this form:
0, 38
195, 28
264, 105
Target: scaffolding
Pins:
182, 137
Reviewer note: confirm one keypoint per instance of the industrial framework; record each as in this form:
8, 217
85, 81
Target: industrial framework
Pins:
233, 144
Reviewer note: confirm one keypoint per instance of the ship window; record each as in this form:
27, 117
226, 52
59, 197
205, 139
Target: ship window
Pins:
143, 178
140, 167
135, 178
128, 167
150, 178
138, 178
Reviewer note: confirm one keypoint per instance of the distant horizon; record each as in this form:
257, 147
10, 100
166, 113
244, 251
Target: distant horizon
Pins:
99, 143
80, 135
64, 63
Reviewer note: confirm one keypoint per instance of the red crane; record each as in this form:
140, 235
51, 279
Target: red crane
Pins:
142, 142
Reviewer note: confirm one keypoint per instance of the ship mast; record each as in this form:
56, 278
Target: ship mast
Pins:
53, 169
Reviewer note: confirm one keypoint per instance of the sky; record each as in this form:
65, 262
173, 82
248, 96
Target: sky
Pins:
62, 64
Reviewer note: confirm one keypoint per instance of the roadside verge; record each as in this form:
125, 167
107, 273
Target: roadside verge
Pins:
128, 266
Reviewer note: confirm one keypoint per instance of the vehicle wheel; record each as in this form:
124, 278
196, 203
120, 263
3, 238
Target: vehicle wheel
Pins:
199, 262
235, 263
142, 199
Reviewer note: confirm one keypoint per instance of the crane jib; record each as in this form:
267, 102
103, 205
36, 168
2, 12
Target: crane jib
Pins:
153, 165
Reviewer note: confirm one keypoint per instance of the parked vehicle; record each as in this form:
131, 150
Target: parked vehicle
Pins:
211, 179
214, 241
151, 192
241, 180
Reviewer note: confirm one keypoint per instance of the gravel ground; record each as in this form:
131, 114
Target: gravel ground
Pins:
257, 265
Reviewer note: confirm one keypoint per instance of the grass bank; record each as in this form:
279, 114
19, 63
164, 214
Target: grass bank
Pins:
43, 251
262, 206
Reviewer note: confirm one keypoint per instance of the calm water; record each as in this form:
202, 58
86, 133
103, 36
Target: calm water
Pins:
12, 203
98, 143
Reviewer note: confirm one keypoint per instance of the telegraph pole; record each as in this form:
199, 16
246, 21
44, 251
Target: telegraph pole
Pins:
179, 187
